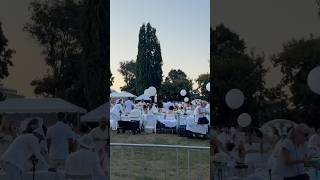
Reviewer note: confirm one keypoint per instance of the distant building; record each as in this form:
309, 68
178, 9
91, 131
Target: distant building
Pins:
9, 93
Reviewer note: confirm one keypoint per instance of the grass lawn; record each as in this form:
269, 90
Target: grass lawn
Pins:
158, 163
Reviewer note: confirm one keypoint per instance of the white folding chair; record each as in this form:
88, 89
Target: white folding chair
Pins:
150, 123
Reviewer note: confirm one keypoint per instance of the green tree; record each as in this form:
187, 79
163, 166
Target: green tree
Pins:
174, 83
233, 67
5, 55
149, 60
56, 25
96, 53
202, 82
297, 59
127, 70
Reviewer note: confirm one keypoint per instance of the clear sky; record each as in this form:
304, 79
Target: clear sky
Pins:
183, 29
266, 24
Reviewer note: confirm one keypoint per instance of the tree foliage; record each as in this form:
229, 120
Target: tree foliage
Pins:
127, 70
173, 84
297, 59
74, 37
233, 67
5, 55
149, 60
202, 81
56, 25
95, 60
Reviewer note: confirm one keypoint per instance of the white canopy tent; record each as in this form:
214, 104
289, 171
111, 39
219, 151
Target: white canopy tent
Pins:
96, 114
122, 94
38, 105
143, 97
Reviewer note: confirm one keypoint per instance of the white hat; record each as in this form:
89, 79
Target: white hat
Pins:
86, 141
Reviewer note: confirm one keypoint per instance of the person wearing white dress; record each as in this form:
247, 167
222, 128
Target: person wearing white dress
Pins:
129, 105
101, 139
84, 161
60, 138
293, 154
201, 111
170, 114
19, 152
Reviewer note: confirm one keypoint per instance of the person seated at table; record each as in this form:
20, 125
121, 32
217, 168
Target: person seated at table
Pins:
129, 105
21, 150
170, 114
201, 113
145, 110
84, 161
314, 143
142, 103
293, 154
154, 109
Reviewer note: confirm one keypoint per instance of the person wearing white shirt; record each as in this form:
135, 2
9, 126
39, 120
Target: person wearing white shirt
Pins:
117, 108
60, 142
293, 154
101, 139
314, 143
84, 161
129, 105
19, 152
154, 109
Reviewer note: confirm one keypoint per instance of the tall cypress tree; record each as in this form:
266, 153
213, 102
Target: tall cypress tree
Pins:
149, 60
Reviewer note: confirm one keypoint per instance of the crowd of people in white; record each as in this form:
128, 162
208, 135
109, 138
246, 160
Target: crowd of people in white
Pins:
57, 149
169, 113
292, 155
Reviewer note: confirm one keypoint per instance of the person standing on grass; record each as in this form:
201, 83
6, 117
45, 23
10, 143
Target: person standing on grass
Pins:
129, 105
19, 152
60, 142
101, 139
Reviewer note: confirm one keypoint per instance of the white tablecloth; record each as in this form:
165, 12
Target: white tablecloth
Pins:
167, 122
128, 118
44, 175
193, 126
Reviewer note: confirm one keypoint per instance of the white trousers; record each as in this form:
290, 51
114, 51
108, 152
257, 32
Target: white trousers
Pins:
12, 172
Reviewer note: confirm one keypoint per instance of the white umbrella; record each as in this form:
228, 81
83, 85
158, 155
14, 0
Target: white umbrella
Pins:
143, 97
96, 114
122, 94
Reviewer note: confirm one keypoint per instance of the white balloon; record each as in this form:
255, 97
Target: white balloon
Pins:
186, 99
153, 90
244, 120
314, 80
208, 87
183, 92
234, 98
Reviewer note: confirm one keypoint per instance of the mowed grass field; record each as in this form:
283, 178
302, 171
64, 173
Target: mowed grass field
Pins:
158, 163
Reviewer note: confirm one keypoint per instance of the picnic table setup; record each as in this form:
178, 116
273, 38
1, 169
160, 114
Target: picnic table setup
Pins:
182, 119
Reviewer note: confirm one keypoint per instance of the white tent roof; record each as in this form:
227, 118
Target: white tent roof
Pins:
122, 94
143, 97
38, 105
96, 114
